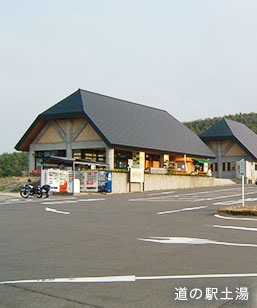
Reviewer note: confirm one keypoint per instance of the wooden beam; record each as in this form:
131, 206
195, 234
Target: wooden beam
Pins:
79, 129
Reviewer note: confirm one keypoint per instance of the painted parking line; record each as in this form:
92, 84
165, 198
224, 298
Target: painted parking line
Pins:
17, 202
239, 201
226, 196
235, 218
127, 278
211, 191
235, 228
191, 241
162, 193
59, 202
59, 199
88, 200
182, 210
190, 197
72, 201
47, 209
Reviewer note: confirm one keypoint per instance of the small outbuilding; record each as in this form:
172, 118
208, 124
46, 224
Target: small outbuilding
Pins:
231, 142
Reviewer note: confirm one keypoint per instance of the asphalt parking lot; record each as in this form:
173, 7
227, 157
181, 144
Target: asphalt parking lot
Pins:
154, 250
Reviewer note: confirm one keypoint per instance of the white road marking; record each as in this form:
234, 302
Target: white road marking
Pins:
182, 210
234, 218
59, 199
60, 202
154, 198
16, 202
72, 201
163, 193
191, 241
55, 211
197, 276
88, 200
235, 201
210, 191
225, 197
53, 202
236, 228
186, 197
157, 200
128, 278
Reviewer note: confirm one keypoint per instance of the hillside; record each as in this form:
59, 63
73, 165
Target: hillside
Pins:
200, 126
12, 164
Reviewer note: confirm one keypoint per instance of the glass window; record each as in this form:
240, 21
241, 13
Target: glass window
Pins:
181, 166
228, 167
88, 154
212, 167
223, 167
152, 157
41, 156
233, 166
76, 154
121, 159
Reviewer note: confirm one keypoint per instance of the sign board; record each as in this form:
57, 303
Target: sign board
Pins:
242, 167
136, 175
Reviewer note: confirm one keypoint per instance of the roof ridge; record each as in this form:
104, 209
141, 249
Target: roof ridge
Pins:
225, 120
59, 102
236, 122
123, 100
229, 120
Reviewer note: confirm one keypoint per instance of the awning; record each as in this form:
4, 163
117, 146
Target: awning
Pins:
202, 161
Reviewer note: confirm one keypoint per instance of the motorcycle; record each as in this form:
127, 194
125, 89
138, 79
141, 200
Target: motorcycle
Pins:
30, 190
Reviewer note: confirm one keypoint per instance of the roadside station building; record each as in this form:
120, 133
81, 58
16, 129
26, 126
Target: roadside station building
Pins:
99, 128
232, 141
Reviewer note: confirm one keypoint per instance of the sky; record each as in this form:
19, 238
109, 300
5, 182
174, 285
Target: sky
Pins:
193, 58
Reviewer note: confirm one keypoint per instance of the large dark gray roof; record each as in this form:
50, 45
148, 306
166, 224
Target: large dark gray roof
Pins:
228, 129
125, 124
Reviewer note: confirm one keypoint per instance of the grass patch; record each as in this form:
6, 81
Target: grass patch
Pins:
250, 210
17, 188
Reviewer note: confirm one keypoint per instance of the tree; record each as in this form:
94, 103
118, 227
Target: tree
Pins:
12, 164
200, 126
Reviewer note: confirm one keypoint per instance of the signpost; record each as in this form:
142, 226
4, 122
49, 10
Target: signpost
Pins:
242, 173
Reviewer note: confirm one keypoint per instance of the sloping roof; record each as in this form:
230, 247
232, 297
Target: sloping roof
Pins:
124, 124
228, 129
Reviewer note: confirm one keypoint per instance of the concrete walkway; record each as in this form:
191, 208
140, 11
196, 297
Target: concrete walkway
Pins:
9, 195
